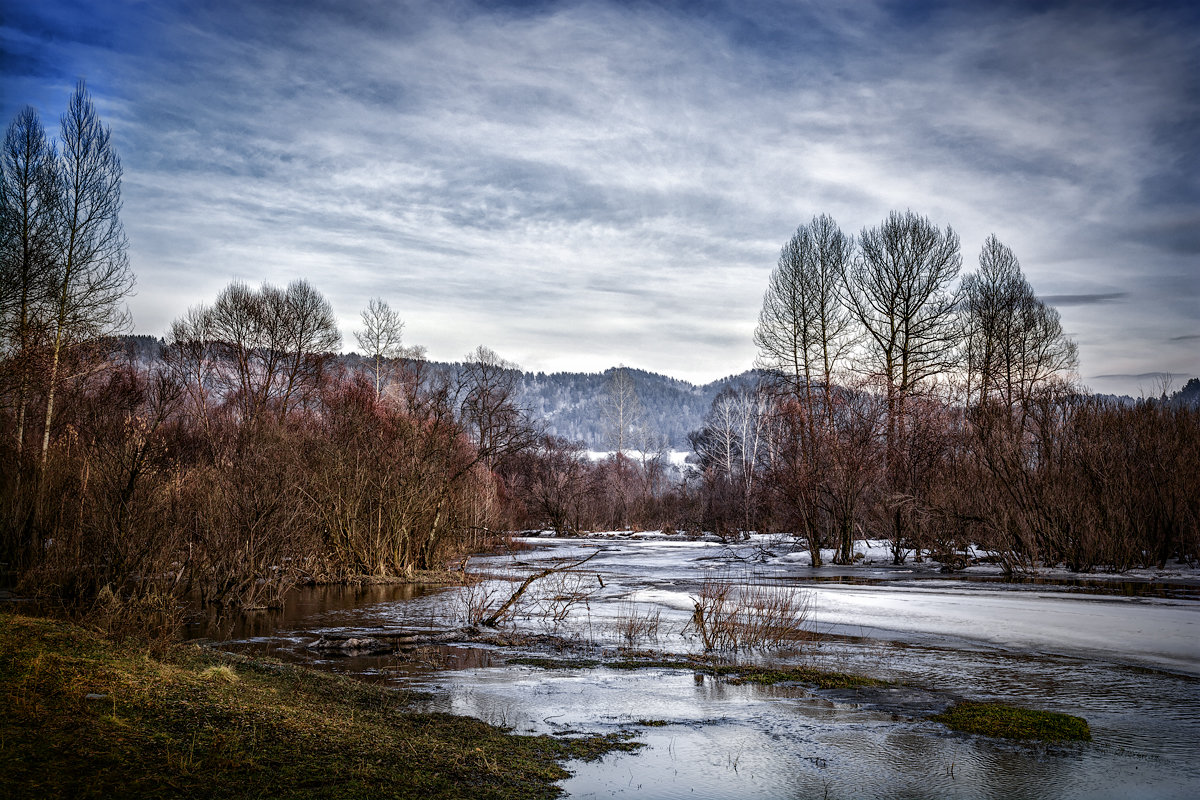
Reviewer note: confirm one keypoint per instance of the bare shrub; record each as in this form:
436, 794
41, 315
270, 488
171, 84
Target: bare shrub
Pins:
636, 624
153, 617
478, 600
558, 594
733, 615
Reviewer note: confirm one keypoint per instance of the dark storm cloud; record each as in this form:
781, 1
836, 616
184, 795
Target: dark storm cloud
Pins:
579, 184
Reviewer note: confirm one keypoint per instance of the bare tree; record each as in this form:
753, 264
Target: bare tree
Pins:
1014, 343
731, 448
622, 409
380, 339
264, 350
91, 269
899, 291
850, 471
555, 477
497, 424
804, 328
190, 356
27, 205
310, 337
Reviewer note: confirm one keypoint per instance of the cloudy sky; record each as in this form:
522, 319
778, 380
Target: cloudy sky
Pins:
581, 184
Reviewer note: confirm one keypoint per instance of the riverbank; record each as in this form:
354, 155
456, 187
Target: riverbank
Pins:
84, 716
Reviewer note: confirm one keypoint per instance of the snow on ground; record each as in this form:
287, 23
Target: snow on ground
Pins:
676, 458
912, 602
1158, 632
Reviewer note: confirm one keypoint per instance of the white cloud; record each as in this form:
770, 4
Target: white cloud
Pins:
594, 183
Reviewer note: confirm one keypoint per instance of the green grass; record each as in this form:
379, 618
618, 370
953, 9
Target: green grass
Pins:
734, 673
186, 721
1009, 722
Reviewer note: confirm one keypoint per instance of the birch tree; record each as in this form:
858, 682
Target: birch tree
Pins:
381, 339
91, 274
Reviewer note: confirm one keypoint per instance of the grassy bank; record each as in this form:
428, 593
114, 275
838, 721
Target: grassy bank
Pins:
83, 716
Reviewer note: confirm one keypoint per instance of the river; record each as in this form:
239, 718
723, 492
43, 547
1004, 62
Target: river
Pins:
1124, 653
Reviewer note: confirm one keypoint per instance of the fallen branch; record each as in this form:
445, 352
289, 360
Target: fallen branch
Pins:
493, 620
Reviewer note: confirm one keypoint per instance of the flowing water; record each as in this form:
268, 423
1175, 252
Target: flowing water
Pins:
1124, 654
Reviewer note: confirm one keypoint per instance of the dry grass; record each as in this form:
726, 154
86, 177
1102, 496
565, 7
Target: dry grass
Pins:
637, 625
84, 716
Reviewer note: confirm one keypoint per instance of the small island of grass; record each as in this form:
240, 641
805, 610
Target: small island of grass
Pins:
1010, 722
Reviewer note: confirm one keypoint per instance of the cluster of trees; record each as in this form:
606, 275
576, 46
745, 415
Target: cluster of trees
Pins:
64, 266
907, 403
245, 456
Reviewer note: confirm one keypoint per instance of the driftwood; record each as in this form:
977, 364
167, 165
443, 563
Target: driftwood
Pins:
354, 646
387, 642
493, 620
378, 642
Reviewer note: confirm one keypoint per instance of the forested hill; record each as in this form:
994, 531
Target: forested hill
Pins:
573, 404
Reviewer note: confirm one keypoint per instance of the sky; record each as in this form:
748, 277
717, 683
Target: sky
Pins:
578, 185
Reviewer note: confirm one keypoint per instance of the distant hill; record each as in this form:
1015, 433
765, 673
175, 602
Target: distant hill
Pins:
1186, 397
572, 403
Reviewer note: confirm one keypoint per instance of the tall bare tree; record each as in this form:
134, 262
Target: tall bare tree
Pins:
804, 329
91, 269
1013, 342
381, 339
622, 409
899, 290
27, 206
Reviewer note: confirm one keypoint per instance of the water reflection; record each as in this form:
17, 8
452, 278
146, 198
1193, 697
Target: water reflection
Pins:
305, 608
